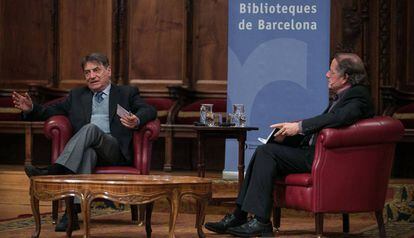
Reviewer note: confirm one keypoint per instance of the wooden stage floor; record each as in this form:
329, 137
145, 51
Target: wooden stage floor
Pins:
15, 202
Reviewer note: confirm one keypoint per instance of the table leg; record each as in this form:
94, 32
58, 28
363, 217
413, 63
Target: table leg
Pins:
201, 167
200, 217
175, 204
242, 144
28, 144
86, 210
36, 214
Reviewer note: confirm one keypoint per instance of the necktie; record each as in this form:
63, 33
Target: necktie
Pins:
99, 97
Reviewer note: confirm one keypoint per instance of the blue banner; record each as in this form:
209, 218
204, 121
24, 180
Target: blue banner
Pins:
278, 54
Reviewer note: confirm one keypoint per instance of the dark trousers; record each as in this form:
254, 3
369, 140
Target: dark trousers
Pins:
268, 162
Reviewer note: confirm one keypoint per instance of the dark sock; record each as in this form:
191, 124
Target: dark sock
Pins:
77, 208
262, 219
56, 169
239, 213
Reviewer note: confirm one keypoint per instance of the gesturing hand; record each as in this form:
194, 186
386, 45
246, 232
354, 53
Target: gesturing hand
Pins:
22, 102
130, 121
286, 128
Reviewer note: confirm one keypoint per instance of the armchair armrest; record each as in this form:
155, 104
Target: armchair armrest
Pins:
59, 130
142, 142
349, 162
364, 132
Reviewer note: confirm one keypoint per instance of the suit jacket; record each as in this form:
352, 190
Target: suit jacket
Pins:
354, 105
78, 107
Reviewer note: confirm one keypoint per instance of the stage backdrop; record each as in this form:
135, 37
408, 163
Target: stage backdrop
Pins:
278, 54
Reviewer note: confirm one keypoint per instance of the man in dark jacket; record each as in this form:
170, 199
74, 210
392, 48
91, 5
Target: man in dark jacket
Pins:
293, 148
100, 135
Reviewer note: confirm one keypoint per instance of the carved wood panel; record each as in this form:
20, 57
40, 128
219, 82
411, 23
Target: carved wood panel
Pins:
156, 42
407, 83
397, 83
84, 27
210, 45
26, 43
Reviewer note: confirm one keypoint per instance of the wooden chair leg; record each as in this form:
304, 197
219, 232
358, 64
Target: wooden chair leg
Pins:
319, 224
134, 213
277, 212
345, 222
380, 222
168, 151
55, 210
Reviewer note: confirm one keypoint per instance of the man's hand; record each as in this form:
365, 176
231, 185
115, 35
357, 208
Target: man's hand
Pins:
22, 102
286, 128
130, 121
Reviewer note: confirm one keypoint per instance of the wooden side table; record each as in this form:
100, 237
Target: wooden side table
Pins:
27, 128
201, 133
127, 189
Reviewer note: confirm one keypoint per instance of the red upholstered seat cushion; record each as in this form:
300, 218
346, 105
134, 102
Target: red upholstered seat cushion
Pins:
162, 105
191, 113
7, 110
54, 101
296, 180
406, 115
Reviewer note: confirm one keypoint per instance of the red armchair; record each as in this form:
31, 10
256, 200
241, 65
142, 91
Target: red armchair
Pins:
59, 130
349, 174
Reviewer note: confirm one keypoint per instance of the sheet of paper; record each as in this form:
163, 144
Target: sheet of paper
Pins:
121, 112
269, 137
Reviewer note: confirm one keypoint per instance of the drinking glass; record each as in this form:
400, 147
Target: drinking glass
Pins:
210, 119
204, 109
239, 117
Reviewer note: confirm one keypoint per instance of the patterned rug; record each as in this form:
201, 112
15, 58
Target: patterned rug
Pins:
99, 209
112, 222
401, 207
398, 213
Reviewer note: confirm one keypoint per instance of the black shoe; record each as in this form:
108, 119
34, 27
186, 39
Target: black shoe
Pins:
30, 171
64, 222
252, 228
228, 221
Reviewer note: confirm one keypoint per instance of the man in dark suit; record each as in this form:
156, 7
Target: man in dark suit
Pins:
100, 135
293, 148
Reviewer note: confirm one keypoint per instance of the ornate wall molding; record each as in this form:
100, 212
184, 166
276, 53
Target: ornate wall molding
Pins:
55, 35
120, 41
351, 28
384, 42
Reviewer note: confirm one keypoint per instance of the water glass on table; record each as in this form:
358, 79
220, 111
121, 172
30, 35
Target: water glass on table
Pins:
238, 115
204, 109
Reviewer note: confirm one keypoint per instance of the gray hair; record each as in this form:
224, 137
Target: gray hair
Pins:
351, 65
95, 57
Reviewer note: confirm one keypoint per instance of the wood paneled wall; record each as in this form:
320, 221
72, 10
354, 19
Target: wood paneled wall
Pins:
157, 43
150, 43
26, 42
382, 32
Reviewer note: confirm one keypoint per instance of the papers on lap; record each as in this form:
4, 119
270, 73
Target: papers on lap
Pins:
269, 137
